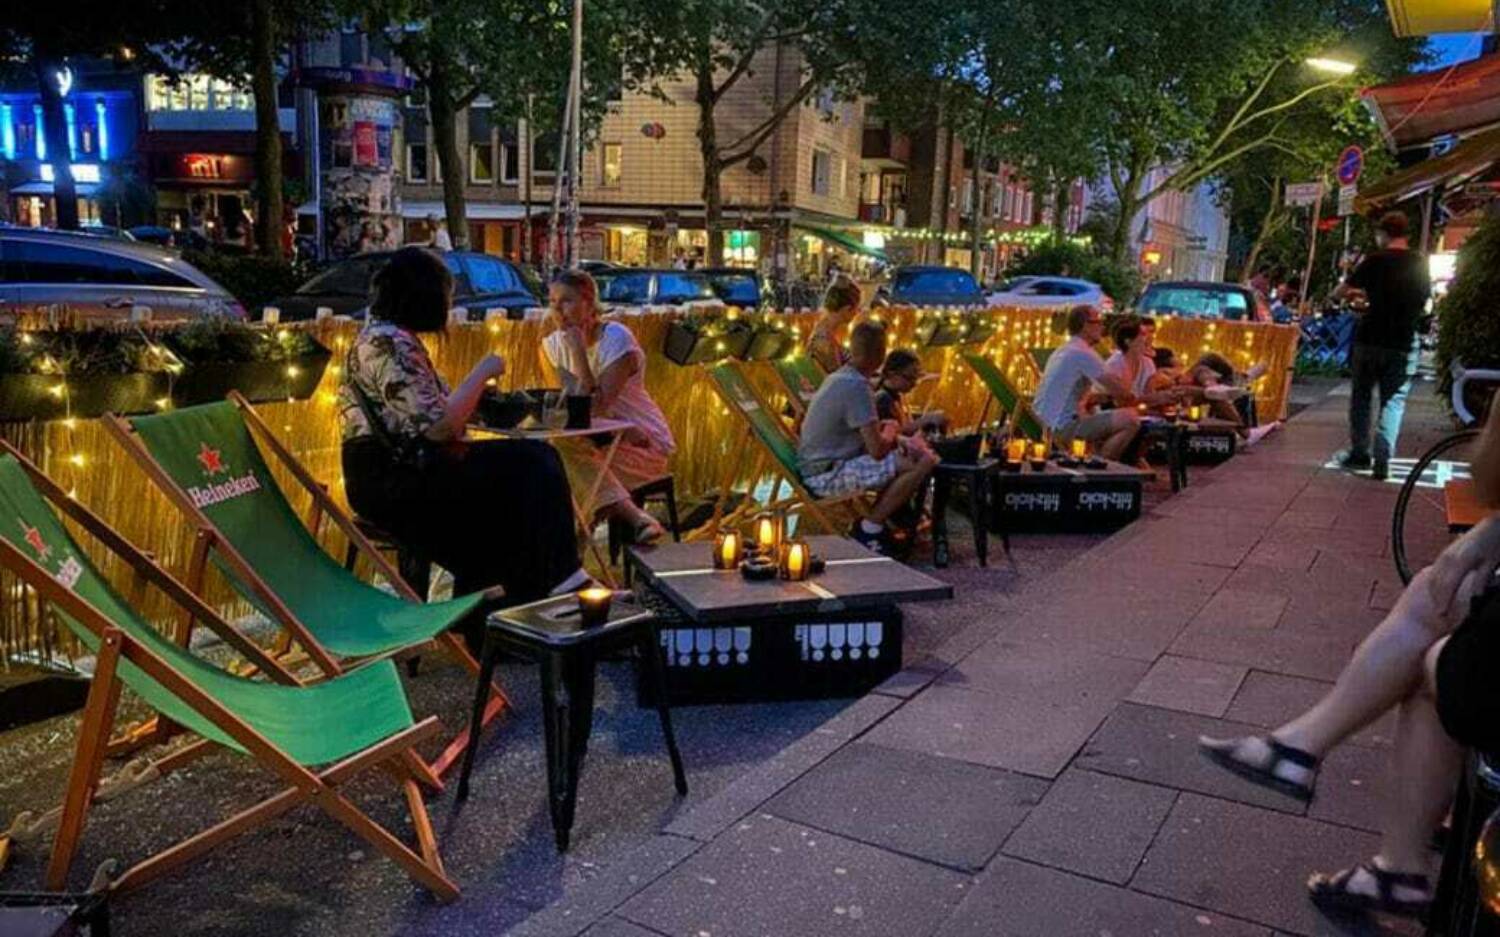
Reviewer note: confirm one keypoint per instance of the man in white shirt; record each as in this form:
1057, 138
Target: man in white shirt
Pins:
1071, 371
440, 239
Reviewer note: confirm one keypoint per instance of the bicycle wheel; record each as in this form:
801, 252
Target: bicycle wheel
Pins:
1419, 525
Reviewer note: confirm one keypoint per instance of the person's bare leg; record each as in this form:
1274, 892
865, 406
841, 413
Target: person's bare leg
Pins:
900, 491
1116, 443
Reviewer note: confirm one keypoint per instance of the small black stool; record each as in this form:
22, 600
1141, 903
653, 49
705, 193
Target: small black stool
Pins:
1456, 907
416, 570
978, 476
664, 488
549, 632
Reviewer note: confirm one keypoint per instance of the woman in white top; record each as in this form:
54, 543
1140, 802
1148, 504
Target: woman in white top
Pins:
603, 360
1134, 363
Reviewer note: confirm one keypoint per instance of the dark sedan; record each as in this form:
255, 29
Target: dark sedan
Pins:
480, 283
932, 286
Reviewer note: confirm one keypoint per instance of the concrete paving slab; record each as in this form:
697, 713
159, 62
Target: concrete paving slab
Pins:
1236, 608
1189, 685
1016, 899
1045, 672
1271, 699
618, 927
949, 812
1011, 731
1369, 543
1293, 556
1351, 783
1253, 863
1093, 824
1277, 651
1159, 746
587, 902
767, 876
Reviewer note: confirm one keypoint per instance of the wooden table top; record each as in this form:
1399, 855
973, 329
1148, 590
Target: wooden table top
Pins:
555, 622
855, 578
1112, 471
596, 426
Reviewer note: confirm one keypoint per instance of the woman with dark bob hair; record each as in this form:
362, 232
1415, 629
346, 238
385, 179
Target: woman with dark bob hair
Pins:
492, 513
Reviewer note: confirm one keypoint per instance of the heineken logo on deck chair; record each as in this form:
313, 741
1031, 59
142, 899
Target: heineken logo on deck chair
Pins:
217, 492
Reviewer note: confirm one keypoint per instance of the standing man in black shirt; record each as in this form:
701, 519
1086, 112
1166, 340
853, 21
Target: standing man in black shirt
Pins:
1393, 284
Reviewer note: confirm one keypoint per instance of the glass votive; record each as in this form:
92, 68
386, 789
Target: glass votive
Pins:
795, 561
1015, 451
768, 533
1195, 413
1079, 449
1038, 451
593, 606
729, 546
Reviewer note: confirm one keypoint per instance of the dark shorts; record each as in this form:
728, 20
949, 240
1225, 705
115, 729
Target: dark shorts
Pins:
1468, 695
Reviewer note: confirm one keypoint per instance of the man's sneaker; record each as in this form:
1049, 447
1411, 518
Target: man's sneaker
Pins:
1351, 461
1380, 471
872, 542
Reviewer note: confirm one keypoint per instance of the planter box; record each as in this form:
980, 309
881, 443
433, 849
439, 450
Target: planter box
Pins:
939, 331
767, 343
981, 330
29, 396
685, 345
259, 381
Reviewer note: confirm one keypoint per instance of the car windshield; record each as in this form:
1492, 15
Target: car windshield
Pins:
627, 288
349, 278
949, 282
1200, 301
680, 287
740, 289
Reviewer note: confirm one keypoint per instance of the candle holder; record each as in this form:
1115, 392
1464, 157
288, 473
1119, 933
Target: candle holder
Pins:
1038, 456
1195, 413
757, 568
768, 529
593, 606
1140, 409
1015, 454
729, 549
796, 561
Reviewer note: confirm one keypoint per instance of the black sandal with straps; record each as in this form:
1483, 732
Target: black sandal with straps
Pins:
1225, 752
1333, 893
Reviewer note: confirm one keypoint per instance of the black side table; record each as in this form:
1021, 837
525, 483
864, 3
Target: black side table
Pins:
976, 477
1174, 438
549, 632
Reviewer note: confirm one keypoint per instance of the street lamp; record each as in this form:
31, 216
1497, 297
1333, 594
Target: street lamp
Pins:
1330, 65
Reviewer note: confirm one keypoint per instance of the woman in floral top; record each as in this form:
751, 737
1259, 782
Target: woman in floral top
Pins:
491, 513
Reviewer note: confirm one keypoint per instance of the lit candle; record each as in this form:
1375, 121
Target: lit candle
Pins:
1195, 413
767, 533
1038, 451
727, 548
593, 606
270, 315
1079, 448
1141, 409
794, 561
1015, 450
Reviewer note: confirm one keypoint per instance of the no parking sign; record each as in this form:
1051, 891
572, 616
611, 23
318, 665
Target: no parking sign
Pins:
1351, 163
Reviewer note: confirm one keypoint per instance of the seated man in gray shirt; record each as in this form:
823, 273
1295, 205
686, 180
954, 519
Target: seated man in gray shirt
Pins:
846, 448
1071, 371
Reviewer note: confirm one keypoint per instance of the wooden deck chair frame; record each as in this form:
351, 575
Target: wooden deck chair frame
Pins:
208, 539
801, 497
395, 754
793, 396
1015, 416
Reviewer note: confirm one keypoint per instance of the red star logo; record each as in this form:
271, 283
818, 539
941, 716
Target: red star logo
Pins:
35, 541
210, 459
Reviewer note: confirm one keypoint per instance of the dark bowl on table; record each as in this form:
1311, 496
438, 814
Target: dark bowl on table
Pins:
504, 410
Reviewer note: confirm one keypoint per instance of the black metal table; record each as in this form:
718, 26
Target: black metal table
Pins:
835, 634
977, 477
1067, 498
550, 633
1177, 436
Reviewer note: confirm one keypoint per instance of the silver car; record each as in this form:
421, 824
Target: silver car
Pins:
102, 279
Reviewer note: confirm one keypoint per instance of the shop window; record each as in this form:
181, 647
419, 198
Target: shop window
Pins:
544, 158
417, 169
611, 163
825, 102
482, 163
822, 171
510, 162
1026, 215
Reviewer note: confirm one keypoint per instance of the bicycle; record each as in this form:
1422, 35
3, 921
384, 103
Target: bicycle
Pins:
1423, 499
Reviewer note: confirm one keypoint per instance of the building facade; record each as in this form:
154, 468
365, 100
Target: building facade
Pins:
1181, 235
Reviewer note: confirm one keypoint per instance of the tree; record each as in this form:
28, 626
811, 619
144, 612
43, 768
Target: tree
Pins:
718, 44
46, 38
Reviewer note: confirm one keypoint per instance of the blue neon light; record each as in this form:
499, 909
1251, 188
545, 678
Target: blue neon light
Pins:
72, 122
41, 136
103, 132
7, 133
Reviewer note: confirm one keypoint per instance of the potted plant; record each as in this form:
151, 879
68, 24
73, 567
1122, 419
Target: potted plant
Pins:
769, 337
702, 336
982, 328
939, 327
46, 375
264, 364
1468, 328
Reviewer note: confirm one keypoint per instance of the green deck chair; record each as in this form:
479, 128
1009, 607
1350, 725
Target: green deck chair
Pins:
207, 461
1039, 358
771, 434
1011, 403
354, 722
801, 376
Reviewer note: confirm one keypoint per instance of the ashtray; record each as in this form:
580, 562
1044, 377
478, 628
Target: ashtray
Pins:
816, 564
758, 568
1096, 463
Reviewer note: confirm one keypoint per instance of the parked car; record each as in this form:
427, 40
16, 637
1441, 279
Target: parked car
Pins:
480, 283
931, 286
1203, 300
631, 288
103, 278
735, 285
181, 238
1039, 291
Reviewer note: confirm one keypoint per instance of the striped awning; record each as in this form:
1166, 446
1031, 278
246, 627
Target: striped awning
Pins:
1427, 17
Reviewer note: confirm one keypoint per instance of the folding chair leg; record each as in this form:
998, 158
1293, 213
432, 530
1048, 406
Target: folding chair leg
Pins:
432, 878
422, 823
93, 739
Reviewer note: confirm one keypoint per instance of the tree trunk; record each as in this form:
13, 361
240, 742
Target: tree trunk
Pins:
268, 198
976, 203
1062, 196
440, 104
713, 170
55, 125
1130, 203
1268, 224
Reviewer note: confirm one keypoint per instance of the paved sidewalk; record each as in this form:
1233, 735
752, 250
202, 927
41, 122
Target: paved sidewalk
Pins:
1038, 774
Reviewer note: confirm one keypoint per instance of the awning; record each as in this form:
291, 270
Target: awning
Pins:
840, 239
1470, 158
474, 211
84, 189
1420, 107
1426, 17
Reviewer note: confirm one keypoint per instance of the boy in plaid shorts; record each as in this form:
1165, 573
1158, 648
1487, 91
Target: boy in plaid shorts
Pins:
845, 447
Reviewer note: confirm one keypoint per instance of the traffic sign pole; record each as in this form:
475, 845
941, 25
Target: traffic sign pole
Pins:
1312, 246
